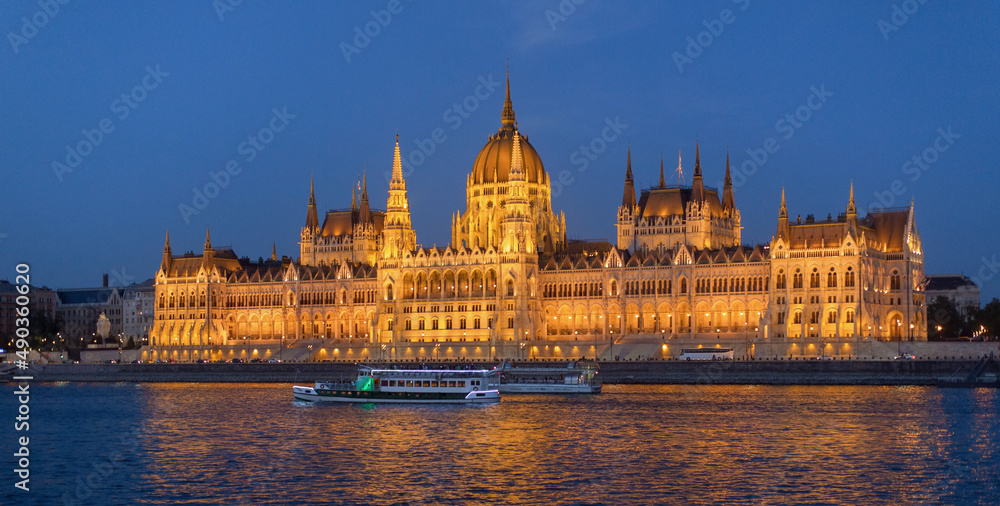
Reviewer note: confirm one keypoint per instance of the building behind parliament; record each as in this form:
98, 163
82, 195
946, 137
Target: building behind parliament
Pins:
678, 269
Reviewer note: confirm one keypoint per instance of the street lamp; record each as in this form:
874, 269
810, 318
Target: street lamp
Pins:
281, 345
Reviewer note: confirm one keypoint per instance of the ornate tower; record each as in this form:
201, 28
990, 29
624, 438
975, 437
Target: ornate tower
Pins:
728, 203
167, 256
628, 210
517, 236
397, 233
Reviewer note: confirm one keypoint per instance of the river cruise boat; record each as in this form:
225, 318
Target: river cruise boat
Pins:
573, 378
706, 354
425, 386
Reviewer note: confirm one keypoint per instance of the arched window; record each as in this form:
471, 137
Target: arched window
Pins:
894, 281
779, 281
831, 278
407, 324
831, 316
614, 288
797, 317
849, 278
684, 285
814, 278
420, 324
510, 288
797, 279
849, 316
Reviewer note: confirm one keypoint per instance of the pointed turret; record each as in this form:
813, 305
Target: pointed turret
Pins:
364, 216
517, 236
397, 233
167, 255
208, 254
507, 116
783, 230
852, 211
354, 196
208, 240
274, 251
397, 182
312, 222
663, 182
697, 185
628, 198
727, 192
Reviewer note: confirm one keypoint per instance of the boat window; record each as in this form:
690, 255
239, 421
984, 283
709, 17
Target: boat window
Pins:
461, 384
385, 383
434, 384
409, 383
427, 383
451, 383
392, 383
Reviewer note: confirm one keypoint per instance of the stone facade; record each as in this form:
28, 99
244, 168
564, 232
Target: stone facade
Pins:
678, 269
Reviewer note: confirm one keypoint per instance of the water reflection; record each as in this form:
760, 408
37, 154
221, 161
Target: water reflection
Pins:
252, 444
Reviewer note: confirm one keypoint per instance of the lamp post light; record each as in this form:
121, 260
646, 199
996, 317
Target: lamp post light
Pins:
281, 345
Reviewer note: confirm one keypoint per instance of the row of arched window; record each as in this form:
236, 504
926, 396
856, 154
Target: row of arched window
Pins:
832, 279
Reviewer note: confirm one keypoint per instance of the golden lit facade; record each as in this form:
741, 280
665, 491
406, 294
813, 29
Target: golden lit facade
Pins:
677, 270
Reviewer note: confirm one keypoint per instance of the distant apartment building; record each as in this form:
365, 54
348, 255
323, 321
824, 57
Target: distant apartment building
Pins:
138, 311
959, 288
40, 299
81, 307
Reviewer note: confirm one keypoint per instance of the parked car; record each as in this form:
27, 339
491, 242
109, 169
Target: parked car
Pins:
237, 361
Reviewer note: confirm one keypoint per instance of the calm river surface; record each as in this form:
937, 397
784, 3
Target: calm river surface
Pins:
252, 444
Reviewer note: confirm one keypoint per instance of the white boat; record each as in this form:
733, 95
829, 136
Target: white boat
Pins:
575, 378
423, 386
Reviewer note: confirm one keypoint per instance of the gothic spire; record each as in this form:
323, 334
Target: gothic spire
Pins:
663, 182
517, 159
397, 182
354, 196
783, 213
274, 251
312, 221
167, 255
851, 209
208, 240
727, 192
628, 197
697, 185
507, 116
364, 216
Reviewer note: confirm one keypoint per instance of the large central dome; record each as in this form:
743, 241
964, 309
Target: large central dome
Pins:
493, 163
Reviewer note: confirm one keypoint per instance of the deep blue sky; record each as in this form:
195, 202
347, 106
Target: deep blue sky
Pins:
605, 60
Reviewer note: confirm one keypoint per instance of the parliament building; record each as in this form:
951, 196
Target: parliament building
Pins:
510, 277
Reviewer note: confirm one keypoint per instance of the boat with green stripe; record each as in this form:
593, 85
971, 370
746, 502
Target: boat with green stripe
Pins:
416, 386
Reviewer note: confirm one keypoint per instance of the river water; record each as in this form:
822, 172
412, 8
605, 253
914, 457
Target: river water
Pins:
253, 444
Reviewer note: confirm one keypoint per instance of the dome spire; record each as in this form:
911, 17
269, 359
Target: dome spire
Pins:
507, 116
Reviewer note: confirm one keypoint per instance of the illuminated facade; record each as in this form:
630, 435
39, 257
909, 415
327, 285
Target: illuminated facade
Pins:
677, 269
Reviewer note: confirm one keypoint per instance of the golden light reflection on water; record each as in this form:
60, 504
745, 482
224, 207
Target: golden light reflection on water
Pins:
246, 444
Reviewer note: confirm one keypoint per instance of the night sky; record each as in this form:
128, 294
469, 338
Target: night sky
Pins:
838, 91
